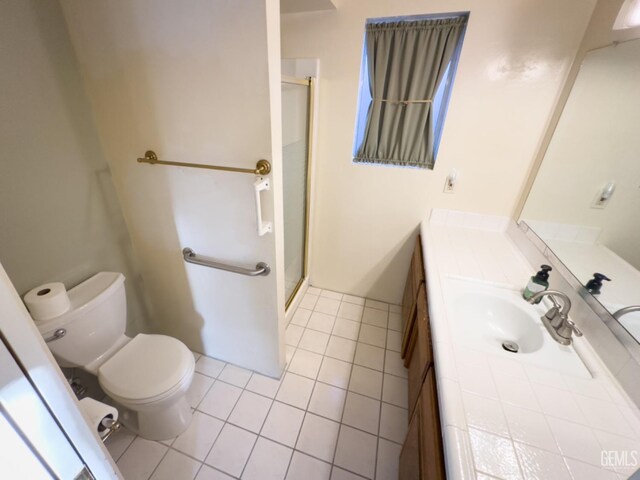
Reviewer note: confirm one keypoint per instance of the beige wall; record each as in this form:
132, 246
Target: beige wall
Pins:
514, 61
197, 81
60, 219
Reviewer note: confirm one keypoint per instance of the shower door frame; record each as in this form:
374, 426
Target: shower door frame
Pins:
310, 83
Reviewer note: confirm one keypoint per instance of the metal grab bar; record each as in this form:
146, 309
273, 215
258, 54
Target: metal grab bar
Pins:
263, 167
191, 257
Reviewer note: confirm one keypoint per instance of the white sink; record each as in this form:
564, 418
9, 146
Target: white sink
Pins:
486, 317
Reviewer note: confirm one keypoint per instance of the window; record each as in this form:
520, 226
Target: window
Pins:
406, 78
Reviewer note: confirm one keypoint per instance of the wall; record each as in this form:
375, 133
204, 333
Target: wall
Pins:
60, 218
595, 142
197, 81
514, 61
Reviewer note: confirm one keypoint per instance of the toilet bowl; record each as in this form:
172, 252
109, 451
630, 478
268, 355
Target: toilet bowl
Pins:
146, 377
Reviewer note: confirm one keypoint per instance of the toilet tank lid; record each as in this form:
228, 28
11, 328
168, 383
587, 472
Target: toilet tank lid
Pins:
84, 296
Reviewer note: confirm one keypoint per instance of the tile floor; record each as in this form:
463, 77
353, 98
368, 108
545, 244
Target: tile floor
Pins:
339, 412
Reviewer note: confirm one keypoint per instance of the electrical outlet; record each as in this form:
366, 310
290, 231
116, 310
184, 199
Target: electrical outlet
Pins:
450, 182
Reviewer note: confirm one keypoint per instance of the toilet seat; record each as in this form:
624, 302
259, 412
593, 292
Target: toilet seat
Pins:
148, 369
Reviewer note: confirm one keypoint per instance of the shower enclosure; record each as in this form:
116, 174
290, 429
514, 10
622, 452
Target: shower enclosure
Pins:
297, 111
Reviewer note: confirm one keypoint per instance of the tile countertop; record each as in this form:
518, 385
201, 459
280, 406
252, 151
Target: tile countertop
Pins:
502, 418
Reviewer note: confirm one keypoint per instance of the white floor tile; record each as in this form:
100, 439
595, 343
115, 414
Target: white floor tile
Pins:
366, 382
369, 356
356, 451
394, 340
292, 335
318, 437
176, 465
234, 375
295, 390
314, 341
117, 444
393, 423
141, 459
341, 348
388, 460
335, 372
199, 387
377, 305
362, 412
395, 308
250, 411
314, 291
309, 301
231, 450
301, 317
304, 467
395, 390
346, 328
394, 364
197, 440
327, 305
209, 366
372, 316
305, 363
263, 385
353, 299
208, 473
373, 335
268, 461
283, 424
321, 322
327, 401
220, 400
330, 294
289, 351
340, 474
395, 322
350, 311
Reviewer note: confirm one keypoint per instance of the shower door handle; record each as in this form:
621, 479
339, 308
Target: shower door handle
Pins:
259, 185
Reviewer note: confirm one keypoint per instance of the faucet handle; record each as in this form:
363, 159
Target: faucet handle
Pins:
576, 330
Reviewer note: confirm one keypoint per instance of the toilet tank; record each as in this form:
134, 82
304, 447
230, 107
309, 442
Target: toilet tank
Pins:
95, 323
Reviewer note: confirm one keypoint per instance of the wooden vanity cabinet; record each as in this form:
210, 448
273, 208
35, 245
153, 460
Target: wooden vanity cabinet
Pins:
422, 455
415, 278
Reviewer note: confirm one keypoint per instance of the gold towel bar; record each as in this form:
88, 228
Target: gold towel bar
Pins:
263, 167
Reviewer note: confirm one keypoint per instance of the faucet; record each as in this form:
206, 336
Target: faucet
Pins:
625, 310
556, 320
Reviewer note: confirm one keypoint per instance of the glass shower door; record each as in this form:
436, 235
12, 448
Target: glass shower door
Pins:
296, 114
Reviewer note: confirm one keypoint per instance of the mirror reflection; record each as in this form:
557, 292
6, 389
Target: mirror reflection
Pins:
585, 201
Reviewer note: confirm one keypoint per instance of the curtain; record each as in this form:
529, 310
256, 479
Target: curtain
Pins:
406, 62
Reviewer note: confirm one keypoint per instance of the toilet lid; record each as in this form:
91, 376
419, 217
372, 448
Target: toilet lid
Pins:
148, 366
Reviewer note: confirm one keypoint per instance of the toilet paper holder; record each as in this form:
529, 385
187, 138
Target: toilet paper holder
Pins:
111, 426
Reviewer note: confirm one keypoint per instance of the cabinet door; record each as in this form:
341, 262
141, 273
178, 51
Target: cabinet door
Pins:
409, 464
431, 450
408, 300
421, 354
415, 278
418, 265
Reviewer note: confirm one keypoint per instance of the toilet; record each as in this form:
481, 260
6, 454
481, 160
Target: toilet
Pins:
146, 376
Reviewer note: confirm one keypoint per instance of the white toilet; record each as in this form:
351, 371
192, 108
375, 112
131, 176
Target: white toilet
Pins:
146, 376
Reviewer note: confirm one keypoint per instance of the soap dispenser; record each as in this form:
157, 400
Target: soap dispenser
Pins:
595, 284
538, 283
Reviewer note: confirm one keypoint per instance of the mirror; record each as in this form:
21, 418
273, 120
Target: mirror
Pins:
585, 201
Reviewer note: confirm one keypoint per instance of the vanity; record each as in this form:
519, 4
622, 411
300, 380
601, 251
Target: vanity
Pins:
478, 410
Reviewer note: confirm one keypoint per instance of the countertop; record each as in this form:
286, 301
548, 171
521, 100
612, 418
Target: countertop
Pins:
505, 419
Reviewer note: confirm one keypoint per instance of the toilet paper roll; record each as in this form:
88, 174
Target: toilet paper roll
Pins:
95, 412
47, 301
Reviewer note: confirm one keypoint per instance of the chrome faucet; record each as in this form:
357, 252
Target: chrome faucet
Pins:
625, 310
556, 320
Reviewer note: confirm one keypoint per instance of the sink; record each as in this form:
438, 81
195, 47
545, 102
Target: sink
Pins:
499, 321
